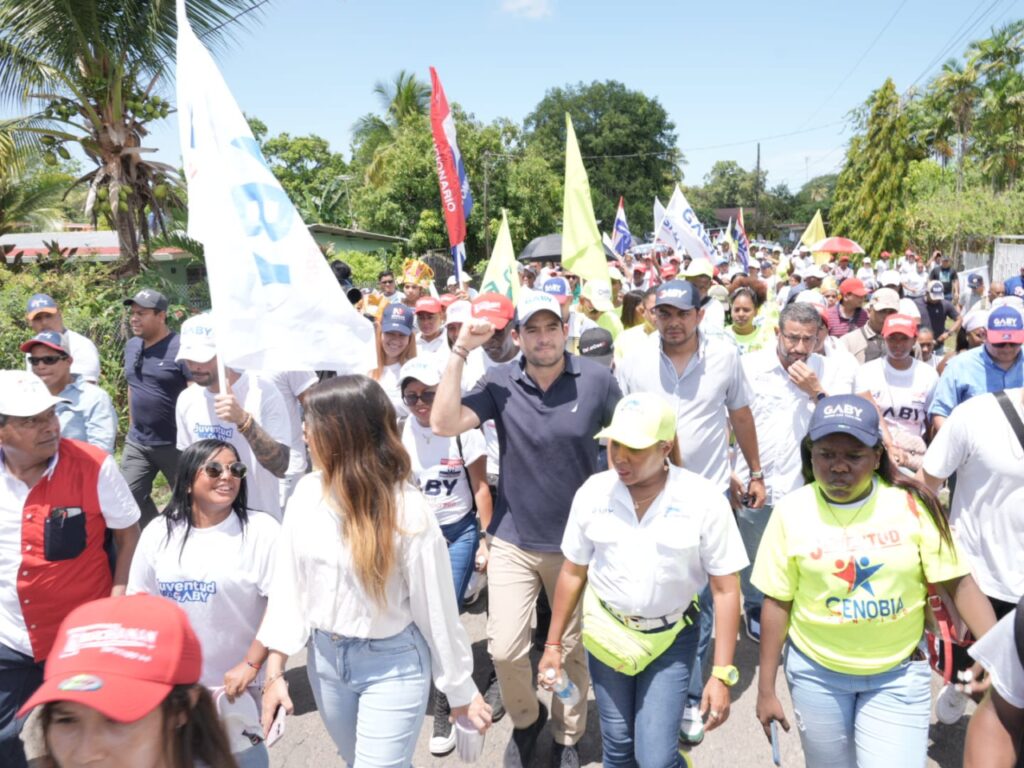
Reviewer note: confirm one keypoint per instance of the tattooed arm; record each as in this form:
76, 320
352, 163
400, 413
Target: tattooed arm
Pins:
271, 454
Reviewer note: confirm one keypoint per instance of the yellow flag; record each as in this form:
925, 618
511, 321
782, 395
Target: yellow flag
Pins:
815, 233
502, 274
582, 252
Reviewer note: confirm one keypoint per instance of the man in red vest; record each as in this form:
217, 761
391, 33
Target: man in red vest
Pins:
58, 499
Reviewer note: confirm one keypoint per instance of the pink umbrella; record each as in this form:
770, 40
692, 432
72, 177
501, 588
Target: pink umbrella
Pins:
836, 245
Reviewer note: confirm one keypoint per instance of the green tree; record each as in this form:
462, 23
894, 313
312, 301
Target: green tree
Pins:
89, 69
404, 100
818, 193
956, 95
626, 138
315, 178
31, 195
871, 191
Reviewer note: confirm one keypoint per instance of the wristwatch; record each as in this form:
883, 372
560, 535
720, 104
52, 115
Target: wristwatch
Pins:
758, 475
728, 675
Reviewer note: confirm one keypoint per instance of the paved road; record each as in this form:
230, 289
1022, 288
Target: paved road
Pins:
739, 743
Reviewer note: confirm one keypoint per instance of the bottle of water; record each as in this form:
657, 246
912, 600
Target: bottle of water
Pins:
563, 688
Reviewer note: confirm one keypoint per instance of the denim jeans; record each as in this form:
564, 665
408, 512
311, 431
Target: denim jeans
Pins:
463, 537
254, 757
860, 721
19, 678
751, 523
640, 715
706, 624
372, 694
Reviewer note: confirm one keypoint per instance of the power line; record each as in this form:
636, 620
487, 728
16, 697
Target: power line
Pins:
764, 138
959, 34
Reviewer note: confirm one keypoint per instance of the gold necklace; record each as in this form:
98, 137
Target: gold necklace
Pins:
855, 514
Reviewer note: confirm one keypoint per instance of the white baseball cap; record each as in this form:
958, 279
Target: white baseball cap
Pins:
532, 302
24, 394
460, 311
198, 339
424, 368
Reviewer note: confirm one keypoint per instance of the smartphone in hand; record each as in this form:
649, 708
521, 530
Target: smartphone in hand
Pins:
277, 728
776, 755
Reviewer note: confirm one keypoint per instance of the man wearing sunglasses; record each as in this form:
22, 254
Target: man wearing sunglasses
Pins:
995, 366
85, 411
155, 379
246, 411
58, 500
43, 314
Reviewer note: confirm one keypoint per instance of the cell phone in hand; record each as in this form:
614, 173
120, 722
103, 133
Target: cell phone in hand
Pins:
276, 728
776, 755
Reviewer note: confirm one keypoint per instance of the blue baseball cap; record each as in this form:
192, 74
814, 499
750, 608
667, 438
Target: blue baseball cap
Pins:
1005, 325
975, 280
397, 318
847, 414
51, 339
559, 288
680, 294
39, 303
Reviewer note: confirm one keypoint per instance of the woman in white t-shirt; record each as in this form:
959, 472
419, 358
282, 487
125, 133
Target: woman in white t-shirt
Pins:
901, 387
395, 345
645, 538
452, 474
362, 581
214, 558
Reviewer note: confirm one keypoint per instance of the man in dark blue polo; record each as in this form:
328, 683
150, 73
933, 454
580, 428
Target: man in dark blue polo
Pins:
155, 380
547, 406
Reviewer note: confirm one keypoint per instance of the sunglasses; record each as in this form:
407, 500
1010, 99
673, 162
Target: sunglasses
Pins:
411, 398
1004, 344
214, 469
46, 360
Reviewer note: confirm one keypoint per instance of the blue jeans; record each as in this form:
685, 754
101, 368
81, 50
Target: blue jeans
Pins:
20, 675
463, 537
751, 523
860, 721
371, 694
640, 715
707, 625
253, 757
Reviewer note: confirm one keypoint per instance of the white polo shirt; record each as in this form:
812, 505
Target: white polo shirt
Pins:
432, 347
197, 420
782, 414
904, 397
997, 652
654, 566
119, 511
712, 385
977, 443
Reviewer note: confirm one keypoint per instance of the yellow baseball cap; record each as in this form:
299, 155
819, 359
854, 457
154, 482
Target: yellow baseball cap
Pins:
640, 420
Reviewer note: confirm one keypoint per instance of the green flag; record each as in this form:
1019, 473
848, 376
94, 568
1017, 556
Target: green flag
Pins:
502, 274
582, 252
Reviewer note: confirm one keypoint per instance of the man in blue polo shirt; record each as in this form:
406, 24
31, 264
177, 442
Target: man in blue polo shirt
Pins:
547, 407
155, 380
996, 365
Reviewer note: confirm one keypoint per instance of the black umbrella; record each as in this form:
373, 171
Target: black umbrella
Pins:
549, 248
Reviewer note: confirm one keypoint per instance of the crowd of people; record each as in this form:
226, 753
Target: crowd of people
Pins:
644, 470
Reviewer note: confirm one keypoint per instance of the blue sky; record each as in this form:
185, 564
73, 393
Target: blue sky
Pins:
727, 73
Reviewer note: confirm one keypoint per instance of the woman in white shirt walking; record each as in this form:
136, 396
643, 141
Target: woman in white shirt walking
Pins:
214, 558
647, 536
362, 576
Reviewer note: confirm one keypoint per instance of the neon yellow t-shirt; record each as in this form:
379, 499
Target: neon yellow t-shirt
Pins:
749, 342
611, 323
858, 595
630, 339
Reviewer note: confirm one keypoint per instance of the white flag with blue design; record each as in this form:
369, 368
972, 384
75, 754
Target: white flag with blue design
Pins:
622, 238
276, 301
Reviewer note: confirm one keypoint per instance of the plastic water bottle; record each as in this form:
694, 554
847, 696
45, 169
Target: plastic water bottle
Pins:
563, 688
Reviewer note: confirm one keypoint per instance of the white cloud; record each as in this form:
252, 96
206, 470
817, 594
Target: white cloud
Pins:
530, 9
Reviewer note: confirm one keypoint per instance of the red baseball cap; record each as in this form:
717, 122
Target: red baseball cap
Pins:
639, 266
854, 286
120, 656
884, 255
428, 304
494, 307
669, 271
447, 299
904, 324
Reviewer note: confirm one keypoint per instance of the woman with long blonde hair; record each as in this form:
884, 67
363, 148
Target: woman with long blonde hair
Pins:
361, 580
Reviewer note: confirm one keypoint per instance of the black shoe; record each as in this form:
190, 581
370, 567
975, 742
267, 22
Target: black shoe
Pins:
493, 697
520, 749
443, 740
565, 756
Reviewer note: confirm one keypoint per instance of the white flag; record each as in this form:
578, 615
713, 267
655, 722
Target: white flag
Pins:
659, 214
277, 303
690, 233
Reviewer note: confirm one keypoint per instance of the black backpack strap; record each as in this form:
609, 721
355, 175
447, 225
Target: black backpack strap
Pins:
1018, 630
1011, 415
465, 468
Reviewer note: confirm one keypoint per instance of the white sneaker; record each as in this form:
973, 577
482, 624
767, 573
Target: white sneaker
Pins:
691, 728
950, 705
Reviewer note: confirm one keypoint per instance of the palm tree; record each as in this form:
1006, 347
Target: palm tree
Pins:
404, 99
957, 93
87, 71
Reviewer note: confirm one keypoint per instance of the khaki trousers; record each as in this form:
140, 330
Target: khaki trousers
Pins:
514, 579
